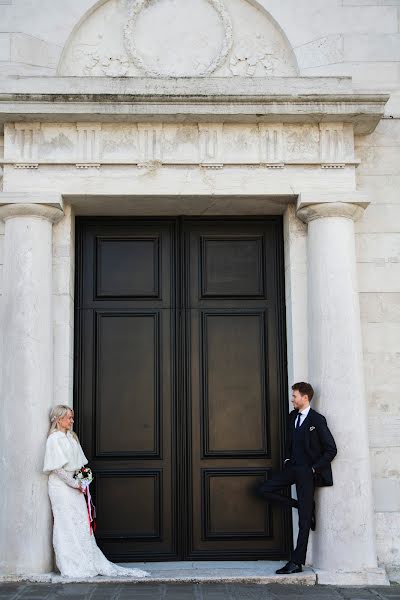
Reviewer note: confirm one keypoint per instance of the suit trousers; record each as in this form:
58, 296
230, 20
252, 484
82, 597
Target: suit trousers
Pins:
303, 478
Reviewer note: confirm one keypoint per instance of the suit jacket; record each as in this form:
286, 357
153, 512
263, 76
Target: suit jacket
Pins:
319, 445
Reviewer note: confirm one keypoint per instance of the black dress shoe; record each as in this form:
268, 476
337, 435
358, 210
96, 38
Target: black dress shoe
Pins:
313, 518
289, 568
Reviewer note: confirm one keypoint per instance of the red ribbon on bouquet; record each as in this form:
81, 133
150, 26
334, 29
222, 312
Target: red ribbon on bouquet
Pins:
91, 510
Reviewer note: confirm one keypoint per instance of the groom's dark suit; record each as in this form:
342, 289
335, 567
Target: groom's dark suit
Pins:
308, 453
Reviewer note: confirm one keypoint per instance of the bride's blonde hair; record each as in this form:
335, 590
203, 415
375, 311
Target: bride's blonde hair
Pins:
57, 413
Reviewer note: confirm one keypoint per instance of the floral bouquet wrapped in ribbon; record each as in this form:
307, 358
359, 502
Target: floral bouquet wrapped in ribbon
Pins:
85, 478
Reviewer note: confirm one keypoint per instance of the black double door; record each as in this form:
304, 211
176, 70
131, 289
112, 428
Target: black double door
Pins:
180, 384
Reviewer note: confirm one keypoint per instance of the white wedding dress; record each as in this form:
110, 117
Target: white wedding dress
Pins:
77, 554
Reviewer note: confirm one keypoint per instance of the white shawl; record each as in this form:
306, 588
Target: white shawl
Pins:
63, 451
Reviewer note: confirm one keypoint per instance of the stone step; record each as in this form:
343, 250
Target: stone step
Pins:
255, 572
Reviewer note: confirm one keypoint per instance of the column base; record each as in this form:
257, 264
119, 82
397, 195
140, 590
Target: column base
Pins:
376, 576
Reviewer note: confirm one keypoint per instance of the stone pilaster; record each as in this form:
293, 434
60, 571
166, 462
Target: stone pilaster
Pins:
344, 542
27, 371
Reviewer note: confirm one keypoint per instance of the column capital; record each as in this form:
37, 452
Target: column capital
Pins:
44, 211
46, 198
331, 209
317, 205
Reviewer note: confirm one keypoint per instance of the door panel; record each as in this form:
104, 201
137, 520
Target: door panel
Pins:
233, 320
126, 320
179, 384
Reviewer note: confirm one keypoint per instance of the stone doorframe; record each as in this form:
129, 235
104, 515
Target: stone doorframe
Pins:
192, 147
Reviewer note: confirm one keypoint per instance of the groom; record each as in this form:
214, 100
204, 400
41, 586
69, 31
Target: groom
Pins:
310, 448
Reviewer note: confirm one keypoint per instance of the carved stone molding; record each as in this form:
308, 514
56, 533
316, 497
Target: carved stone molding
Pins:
150, 142
200, 66
345, 210
271, 143
89, 145
88, 148
51, 213
27, 135
210, 144
331, 142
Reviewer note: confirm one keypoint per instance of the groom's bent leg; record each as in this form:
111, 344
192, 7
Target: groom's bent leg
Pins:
279, 481
305, 497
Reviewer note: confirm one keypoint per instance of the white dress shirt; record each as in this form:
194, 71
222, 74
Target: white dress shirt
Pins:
303, 416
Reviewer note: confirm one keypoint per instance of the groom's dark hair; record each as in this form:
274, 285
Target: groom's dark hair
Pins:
304, 388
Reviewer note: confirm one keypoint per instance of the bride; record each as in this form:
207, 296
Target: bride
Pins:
77, 554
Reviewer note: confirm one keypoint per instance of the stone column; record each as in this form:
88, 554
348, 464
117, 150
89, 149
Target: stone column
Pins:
26, 396
344, 542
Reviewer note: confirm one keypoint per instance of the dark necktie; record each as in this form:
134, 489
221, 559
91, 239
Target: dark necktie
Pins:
298, 420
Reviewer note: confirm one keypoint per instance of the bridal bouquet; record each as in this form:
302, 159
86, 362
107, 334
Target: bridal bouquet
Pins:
85, 476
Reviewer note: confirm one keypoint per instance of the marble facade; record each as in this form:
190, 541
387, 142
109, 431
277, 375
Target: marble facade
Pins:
124, 107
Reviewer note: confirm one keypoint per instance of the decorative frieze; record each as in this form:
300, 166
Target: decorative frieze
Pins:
331, 143
150, 143
210, 145
27, 144
88, 145
271, 144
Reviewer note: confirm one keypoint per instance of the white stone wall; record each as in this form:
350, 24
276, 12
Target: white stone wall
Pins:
378, 251
359, 38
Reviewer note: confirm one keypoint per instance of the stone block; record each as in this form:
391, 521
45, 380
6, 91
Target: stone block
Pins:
381, 189
392, 107
386, 494
378, 277
378, 307
324, 51
381, 337
387, 526
370, 47
384, 431
377, 160
381, 369
371, 76
371, 2
1, 249
387, 133
5, 46
379, 218
378, 247
21, 69
316, 22
382, 399
33, 51
51, 20
385, 462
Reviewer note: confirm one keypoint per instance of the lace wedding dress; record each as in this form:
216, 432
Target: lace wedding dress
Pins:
77, 554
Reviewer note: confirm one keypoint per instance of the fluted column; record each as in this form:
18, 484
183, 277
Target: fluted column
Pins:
26, 395
344, 543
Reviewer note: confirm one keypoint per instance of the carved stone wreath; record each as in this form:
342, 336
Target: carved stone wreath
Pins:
137, 6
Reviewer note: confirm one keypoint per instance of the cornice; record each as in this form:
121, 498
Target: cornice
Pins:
251, 100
